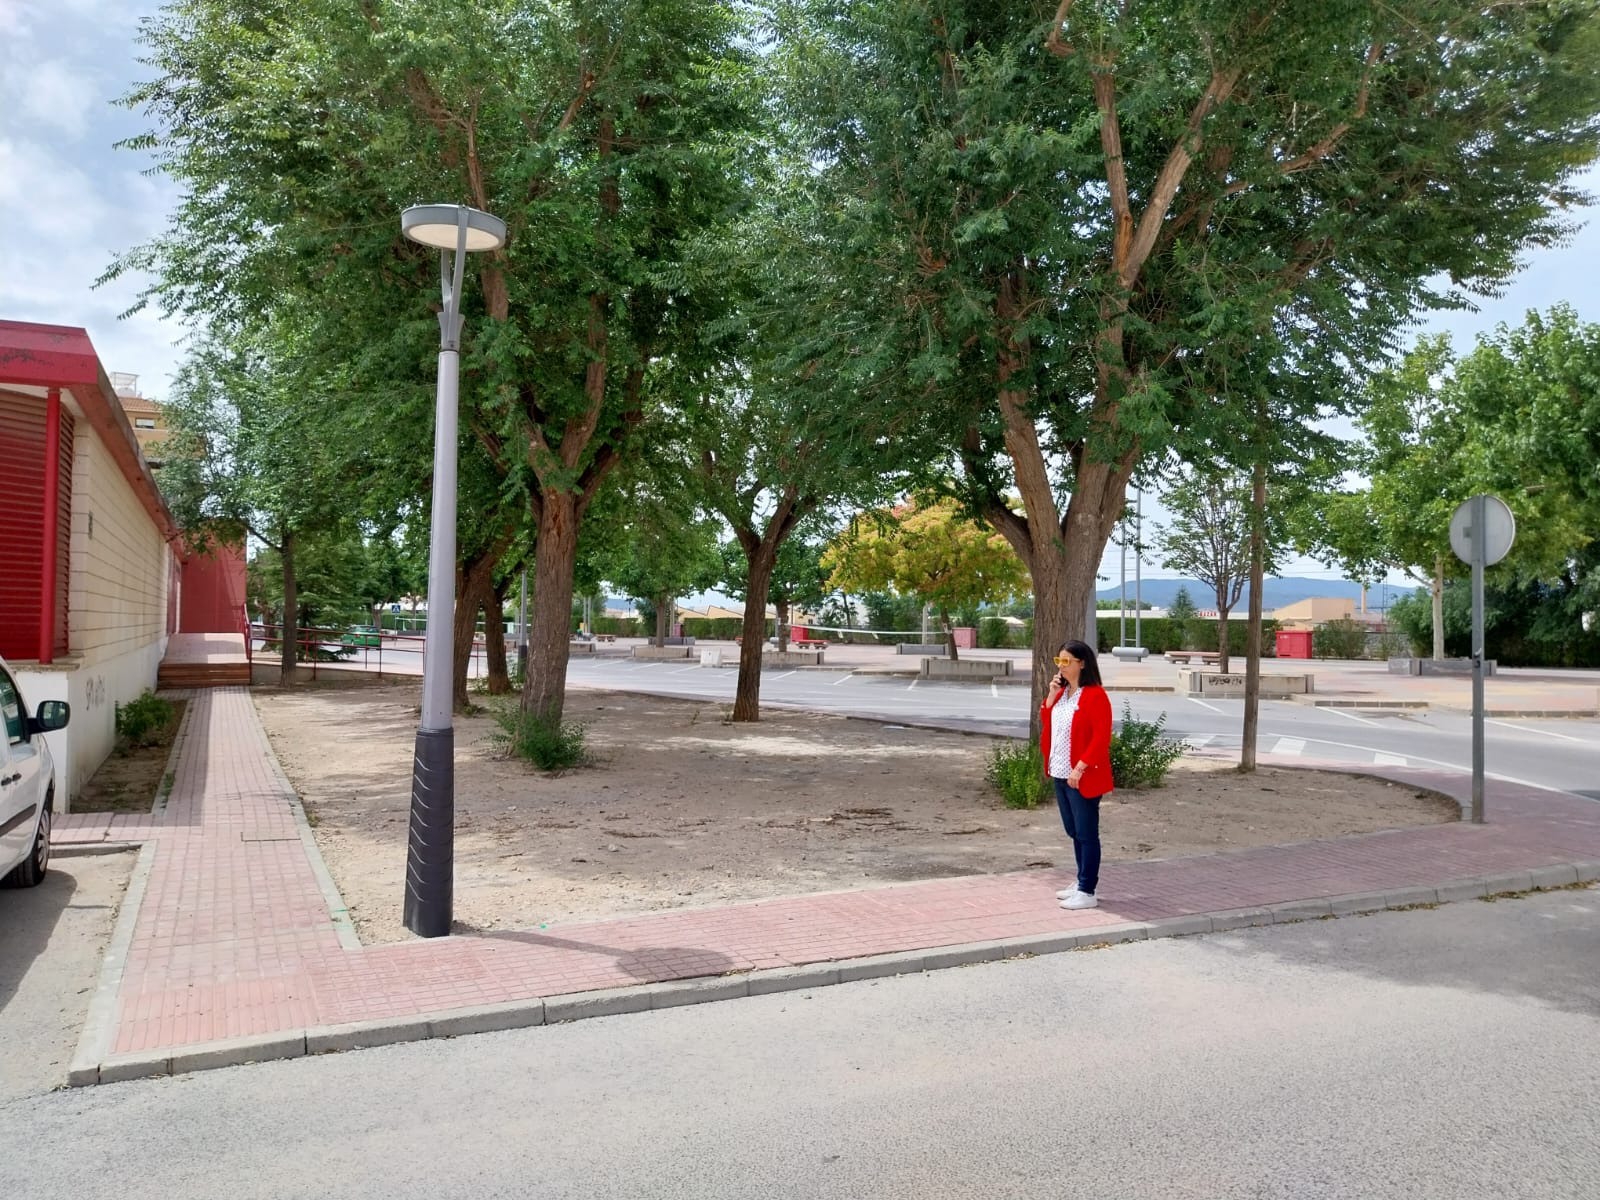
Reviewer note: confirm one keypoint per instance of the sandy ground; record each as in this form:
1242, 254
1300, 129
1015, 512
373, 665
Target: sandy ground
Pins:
681, 808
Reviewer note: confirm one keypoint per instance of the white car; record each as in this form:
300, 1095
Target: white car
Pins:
27, 783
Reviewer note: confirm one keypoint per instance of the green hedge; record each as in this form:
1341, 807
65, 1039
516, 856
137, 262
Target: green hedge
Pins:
1161, 634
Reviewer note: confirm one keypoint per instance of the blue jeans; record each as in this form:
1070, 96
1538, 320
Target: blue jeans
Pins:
1081, 817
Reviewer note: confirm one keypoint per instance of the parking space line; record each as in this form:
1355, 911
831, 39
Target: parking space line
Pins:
1352, 717
1389, 760
1288, 745
1532, 729
846, 679
1203, 704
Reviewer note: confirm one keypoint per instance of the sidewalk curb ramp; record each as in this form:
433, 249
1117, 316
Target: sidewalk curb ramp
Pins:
92, 1066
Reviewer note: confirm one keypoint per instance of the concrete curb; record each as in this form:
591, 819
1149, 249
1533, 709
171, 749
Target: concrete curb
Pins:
92, 1066
338, 912
100, 1027
84, 849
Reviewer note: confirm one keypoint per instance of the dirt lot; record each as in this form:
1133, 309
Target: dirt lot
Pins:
682, 809
130, 778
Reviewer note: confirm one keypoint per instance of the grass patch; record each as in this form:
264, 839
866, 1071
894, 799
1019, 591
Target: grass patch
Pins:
1016, 771
550, 745
1140, 755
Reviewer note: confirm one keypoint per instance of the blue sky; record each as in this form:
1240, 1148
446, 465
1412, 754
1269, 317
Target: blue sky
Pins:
74, 203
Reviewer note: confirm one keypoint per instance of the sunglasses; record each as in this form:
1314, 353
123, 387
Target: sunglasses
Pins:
1063, 659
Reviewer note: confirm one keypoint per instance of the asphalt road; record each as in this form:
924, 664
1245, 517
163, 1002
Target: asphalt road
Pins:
44, 997
1559, 753
1428, 1054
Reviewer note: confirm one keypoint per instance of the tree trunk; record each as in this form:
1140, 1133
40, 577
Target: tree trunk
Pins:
1252, 646
494, 639
663, 605
780, 623
1438, 609
474, 587
950, 650
747, 693
1058, 607
1222, 637
290, 642
555, 554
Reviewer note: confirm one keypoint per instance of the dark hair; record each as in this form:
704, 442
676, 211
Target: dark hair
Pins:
1090, 675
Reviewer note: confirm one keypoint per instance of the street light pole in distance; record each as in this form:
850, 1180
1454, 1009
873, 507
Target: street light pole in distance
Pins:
455, 231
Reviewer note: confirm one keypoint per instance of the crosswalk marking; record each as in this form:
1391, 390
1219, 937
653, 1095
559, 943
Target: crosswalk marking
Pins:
1288, 745
1389, 760
1199, 743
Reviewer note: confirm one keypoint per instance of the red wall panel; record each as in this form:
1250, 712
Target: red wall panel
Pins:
22, 442
21, 514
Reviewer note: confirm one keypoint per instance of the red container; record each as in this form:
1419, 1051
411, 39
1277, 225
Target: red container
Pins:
1294, 643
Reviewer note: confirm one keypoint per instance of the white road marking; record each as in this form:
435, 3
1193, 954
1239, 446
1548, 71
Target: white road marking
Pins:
681, 670
911, 685
1203, 704
1389, 760
1530, 729
994, 690
1199, 743
785, 675
846, 679
1347, 715
1288, 745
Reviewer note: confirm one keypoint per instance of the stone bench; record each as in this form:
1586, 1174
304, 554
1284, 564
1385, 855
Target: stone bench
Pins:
1191, 656
666, 652
1136, 653
921, 648
965, 668
1272, 687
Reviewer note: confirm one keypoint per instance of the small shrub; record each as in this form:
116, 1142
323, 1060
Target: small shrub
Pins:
547, 744
1339, 638
1016, 771
1140, 755
993, 634
145, 721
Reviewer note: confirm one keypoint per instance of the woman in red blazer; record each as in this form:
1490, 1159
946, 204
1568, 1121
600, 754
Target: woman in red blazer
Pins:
1075, 738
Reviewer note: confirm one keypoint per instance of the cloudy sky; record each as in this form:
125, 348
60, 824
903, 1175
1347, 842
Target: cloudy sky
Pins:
74, 202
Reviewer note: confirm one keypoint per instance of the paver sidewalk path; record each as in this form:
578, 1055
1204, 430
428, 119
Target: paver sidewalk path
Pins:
238, 933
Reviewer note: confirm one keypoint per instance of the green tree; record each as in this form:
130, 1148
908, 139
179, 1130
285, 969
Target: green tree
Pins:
1182, 607
930, 551
1058, 227
1435, 433
606, 134
1208, 538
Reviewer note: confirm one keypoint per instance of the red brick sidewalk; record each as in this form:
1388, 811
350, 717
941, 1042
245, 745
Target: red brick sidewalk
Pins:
231, 929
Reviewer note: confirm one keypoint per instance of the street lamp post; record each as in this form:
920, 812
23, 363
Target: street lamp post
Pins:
454, 231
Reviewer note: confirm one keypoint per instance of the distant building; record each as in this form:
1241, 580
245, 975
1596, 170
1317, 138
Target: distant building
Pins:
148, 419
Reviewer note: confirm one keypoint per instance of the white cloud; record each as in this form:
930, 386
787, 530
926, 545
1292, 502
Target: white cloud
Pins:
56, 95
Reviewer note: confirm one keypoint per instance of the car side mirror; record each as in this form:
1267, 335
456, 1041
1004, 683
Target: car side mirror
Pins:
52, 715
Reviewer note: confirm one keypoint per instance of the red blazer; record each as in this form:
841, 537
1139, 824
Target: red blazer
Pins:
1091, 739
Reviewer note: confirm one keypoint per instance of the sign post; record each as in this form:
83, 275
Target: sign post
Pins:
1481, 532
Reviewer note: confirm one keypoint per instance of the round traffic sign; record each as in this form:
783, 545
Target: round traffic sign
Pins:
1499, 529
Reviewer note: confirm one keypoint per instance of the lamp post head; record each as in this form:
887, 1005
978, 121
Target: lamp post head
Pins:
439, 226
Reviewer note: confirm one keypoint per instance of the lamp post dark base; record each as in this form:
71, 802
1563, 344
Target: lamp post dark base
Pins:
430, 852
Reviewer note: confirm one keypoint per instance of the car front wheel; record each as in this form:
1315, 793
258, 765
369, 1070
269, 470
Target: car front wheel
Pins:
30, 873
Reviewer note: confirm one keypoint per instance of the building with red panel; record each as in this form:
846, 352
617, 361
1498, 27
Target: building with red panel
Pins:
93, 570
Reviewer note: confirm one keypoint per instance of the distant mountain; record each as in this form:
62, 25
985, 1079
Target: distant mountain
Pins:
1275, 594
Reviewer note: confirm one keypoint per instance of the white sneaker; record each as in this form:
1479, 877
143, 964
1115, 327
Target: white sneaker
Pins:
1067, 893
1081, 900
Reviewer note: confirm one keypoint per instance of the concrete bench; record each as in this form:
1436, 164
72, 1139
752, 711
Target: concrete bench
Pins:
921, 648
1192, 656
662, 652
1136, 653
579, 647
965, 668
605, 637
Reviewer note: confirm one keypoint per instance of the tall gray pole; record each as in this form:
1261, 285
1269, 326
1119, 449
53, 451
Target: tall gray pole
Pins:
1479, 553
1122, 603
522, 629
1138, 568
430, 851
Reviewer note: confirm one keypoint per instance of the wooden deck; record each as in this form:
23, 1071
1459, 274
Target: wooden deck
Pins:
200, 660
